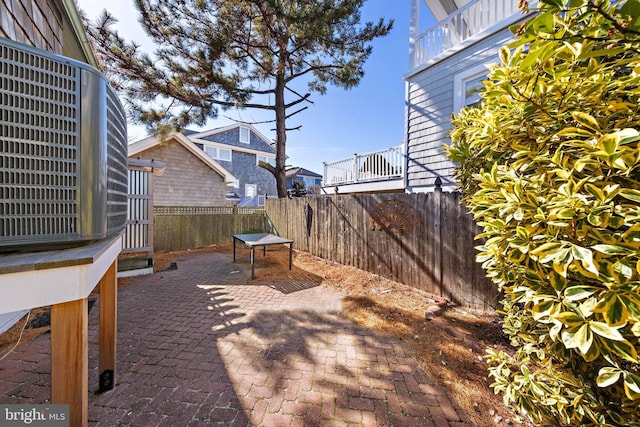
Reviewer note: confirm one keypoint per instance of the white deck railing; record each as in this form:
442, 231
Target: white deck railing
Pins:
252, 201
465, 23
376, 166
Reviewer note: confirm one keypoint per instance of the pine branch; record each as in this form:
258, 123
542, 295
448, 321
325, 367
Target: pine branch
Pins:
296, 112
251, 123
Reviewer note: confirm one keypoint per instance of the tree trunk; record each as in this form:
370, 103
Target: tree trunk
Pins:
281, 137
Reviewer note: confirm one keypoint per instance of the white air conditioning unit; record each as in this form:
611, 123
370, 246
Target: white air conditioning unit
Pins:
63, 151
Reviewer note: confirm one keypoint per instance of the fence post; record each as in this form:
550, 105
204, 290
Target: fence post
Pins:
285, 202
236, 220
437, 229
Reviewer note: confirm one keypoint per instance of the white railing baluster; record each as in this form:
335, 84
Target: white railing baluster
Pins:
375, 166
466, 22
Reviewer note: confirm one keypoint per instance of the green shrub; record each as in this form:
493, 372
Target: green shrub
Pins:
550, 165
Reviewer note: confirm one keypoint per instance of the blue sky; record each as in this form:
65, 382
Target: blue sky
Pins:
367, 118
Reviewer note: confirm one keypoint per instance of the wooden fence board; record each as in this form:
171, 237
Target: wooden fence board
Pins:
179, 228
435, 254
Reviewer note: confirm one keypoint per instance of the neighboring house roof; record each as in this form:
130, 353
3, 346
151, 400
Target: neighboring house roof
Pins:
302, 172
152, 141
211, 136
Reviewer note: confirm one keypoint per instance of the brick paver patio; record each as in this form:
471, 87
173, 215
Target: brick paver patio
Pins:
204, 345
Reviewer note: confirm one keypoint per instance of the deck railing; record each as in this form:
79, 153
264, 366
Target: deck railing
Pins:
376, 166
463, 24
253, 201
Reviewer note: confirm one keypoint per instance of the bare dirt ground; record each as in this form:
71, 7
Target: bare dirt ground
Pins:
449, 346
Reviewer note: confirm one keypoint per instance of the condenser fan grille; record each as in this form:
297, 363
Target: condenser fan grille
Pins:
39, 144
63, 151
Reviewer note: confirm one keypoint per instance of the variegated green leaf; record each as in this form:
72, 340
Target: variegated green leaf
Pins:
621, 271
585, 256
629, 194
611, 249
632, 385
608, 376
615, 312
560, 266
605, 331
566, 213
557, 161
575, 132
569, 318
623, 349
578, 293
609, 143
628, 135
558, 280
586, 120
583, 338
543, 309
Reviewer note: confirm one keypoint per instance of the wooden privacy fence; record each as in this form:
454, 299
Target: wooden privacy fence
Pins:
422, 240
178, 228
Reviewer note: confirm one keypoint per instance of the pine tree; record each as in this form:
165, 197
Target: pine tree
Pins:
220, 54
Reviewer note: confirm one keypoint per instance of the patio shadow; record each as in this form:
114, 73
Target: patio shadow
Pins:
192, 351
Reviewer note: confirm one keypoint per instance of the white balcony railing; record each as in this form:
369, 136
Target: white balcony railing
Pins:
376, 166
252, 201
465, 23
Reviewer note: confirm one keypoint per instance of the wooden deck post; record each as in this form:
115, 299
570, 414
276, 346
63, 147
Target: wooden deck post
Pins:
64, 280
108, 327
70, 358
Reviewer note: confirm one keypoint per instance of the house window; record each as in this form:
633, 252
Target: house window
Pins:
245, 135
466, 87
269, 160
309, 182
250, 190
224, 154
218, 153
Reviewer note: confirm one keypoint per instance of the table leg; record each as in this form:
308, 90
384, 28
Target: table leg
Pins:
234, 249
290, 254
253, 276
264, 250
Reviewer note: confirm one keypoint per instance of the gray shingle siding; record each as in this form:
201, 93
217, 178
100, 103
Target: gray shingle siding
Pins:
40, 24
430, 99
244, 166
232, 137
187, 180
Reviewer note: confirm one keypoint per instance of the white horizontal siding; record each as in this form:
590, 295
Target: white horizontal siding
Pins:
430, 99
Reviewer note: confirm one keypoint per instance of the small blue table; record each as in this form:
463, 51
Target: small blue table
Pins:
260, 239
